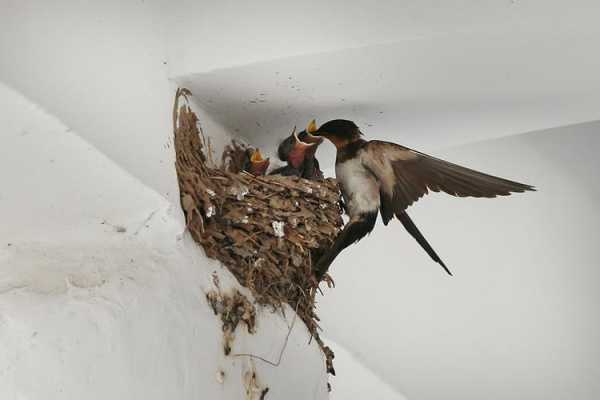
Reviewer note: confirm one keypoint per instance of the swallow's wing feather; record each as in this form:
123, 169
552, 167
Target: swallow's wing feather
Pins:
406, 175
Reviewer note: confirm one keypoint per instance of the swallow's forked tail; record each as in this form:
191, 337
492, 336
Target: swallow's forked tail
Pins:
410, 226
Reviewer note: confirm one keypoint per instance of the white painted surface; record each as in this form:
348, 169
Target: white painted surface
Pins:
519, 318
430, 74
102, 294
355, 380
101, 67
432, 93
212, 35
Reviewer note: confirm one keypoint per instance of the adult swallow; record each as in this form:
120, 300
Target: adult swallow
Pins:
386, 178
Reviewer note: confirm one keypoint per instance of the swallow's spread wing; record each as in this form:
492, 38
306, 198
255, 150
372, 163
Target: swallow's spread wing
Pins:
406, 175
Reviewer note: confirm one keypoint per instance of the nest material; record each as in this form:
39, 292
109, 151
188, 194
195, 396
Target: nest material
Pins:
266, 230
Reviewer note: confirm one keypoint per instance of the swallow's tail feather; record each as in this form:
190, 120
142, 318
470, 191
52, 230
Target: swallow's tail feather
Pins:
410, 226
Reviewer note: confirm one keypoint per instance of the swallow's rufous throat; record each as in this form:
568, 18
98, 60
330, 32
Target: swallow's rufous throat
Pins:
386, 178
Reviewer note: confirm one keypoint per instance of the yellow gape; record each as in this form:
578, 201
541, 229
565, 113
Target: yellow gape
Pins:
312, 126
256, 156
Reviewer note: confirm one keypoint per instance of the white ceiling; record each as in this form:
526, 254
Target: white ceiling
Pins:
431, 92
426, 73
206, 36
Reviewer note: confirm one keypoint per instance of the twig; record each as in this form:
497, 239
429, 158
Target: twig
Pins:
275, 364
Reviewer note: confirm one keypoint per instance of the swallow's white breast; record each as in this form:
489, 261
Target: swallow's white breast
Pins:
359, 187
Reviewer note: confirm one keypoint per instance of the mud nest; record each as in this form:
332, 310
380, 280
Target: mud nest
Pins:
267, 230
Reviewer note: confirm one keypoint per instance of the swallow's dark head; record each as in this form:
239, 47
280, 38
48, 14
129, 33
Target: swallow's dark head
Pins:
338, 131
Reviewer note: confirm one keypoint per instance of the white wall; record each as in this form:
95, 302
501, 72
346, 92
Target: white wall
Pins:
102, 293
101, 67
519, 319
355, 381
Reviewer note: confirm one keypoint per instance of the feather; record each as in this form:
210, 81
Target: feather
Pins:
406, 175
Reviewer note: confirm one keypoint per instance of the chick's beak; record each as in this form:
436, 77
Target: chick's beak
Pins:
258, 165
256, 156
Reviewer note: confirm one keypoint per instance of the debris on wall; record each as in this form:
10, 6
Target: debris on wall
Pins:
254, 390
233, 308
266, 230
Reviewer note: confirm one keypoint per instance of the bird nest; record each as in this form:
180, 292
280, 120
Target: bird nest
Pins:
267, 230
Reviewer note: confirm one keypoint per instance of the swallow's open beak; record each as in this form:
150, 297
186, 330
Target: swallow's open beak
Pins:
258, 164
312, 129
311, 134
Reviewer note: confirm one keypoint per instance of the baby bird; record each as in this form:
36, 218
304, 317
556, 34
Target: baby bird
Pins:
298, 150
255, 163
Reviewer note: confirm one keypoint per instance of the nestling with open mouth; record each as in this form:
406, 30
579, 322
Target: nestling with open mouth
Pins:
298, 151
